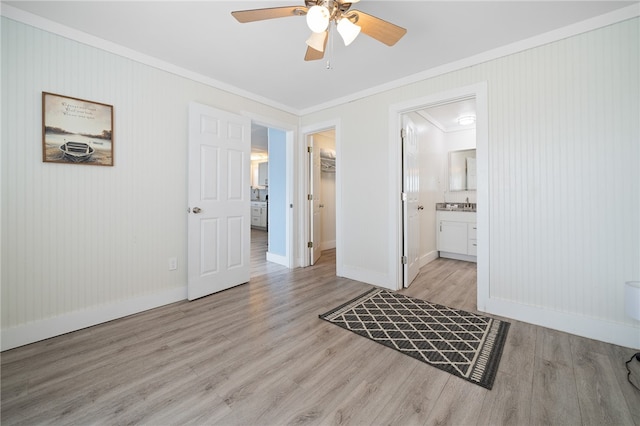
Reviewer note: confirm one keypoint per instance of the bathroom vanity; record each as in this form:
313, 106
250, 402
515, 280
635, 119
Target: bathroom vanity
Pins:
456, 231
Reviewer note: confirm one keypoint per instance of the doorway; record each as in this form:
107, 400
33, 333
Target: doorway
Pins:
270, 194
434, 188
321, 150
440, 131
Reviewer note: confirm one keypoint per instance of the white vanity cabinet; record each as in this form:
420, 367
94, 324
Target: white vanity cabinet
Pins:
259, 214
472, 243
456, 235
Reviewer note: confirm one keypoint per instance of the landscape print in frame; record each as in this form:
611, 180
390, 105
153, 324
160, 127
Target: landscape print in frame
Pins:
76, 131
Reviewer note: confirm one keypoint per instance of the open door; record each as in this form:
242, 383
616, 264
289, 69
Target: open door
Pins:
410, 207
315, 223
219, 204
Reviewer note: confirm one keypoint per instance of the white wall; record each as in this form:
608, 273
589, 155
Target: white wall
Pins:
563, 149
84, 244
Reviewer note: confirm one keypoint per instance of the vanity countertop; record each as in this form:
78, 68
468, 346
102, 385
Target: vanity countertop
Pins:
456, 207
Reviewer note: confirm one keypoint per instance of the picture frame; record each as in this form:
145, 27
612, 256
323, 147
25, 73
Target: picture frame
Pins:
76, 131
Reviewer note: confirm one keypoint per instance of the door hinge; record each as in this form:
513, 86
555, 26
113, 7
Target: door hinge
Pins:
309, 197
310, 244
403, 196
309, 149
403, 133
403, 259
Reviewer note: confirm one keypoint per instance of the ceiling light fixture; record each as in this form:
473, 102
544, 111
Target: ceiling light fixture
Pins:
318, 41
347, 30
465, 120
320, 16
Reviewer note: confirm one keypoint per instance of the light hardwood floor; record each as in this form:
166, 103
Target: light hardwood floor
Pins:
259, 265
258, 354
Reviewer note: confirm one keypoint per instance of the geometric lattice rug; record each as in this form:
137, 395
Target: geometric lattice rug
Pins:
462, 343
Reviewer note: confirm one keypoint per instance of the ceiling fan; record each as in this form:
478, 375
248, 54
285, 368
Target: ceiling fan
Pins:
320, 14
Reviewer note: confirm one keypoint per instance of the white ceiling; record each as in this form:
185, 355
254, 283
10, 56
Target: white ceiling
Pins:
265, 58
446, 116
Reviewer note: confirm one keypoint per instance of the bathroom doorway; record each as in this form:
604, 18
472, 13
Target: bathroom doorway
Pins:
439, 133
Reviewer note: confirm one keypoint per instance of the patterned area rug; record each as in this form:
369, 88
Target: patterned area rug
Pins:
462, 343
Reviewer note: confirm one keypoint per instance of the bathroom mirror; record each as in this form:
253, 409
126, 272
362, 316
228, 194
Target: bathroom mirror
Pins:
462, 170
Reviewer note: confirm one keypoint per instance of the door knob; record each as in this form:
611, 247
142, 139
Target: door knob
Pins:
420, 207
197, 210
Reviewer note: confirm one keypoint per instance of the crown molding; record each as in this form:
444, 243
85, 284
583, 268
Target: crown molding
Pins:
610, 18
41, 23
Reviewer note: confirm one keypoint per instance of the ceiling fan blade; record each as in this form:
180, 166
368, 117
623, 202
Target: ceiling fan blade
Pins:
381, 30
252, 15
313, 54
317, 44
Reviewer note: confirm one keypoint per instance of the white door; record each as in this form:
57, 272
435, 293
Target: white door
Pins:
410, 210
315, 230
219, 204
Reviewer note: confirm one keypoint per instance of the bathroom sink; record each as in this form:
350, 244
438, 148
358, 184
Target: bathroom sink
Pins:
456, 207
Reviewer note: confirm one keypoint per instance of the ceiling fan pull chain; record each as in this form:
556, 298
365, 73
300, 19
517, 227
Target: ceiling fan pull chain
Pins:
330, 47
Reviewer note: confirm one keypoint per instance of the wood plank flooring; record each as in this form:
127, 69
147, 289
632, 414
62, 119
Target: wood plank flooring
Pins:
259, 264
258, 354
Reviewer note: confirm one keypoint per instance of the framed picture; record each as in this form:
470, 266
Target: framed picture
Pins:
76, 131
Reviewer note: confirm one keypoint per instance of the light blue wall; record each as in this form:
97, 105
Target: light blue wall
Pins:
277, 192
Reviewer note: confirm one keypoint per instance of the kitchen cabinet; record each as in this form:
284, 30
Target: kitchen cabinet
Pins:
259, 215
263, 174
456, 235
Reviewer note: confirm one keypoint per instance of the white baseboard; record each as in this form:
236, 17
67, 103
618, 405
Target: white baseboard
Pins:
428, 258
365, 276
328, 245
617, 333
43, 329
457, 256
279, 259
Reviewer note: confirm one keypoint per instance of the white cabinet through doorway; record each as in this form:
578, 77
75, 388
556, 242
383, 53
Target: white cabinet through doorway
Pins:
456, 235
259, 214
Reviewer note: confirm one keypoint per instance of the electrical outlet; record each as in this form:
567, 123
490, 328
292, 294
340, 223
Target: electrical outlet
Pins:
173, 263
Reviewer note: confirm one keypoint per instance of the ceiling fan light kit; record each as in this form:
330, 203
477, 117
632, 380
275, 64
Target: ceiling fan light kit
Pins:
318, 41
320, 14
318, 18
347, 30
